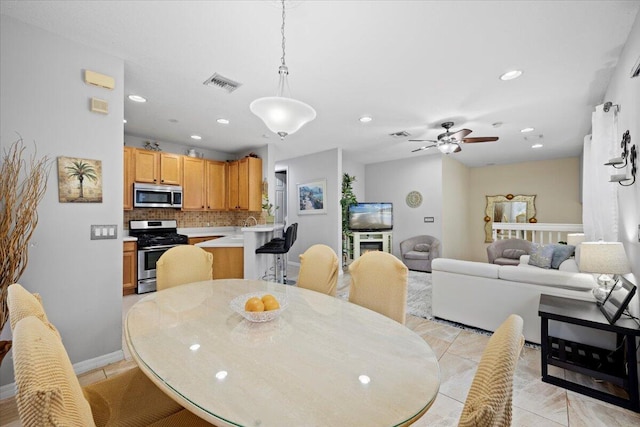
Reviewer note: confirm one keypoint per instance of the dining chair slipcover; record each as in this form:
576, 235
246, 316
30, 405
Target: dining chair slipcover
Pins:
22, 303
319, 270
49, 393
183, 264
379, 283
489, 402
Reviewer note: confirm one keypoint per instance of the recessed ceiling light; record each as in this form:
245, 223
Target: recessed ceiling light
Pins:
198, 137
124, 120
536, 146
223, 121
365, 119
510, 75
525, 130
137, 98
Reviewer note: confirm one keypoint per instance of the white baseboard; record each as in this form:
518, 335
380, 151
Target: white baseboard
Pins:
9, 390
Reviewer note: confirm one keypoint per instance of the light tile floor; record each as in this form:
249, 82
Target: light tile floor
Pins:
534, 403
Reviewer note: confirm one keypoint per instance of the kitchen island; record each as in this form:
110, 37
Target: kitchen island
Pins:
236, 253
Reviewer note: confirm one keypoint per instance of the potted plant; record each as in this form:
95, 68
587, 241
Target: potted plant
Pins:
348, 199
269, 210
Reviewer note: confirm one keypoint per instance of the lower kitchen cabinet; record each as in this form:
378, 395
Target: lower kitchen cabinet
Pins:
228, 263
129, 268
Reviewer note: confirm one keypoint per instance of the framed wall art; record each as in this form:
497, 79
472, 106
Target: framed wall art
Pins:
79, 180
311, 197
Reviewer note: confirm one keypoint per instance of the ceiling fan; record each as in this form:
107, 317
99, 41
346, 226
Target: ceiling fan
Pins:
449, 142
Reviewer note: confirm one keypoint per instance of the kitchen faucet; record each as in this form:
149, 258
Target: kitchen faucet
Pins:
246, 221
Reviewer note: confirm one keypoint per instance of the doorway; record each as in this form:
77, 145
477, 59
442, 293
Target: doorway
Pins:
281, 196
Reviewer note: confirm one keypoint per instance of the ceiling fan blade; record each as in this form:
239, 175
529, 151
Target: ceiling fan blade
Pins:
423, 148
422, 140
480, 139
459, 135
457, 150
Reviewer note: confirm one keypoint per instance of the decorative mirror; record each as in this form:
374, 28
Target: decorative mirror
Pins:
509, 208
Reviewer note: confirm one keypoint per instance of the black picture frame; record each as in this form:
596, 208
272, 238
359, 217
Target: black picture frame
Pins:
617, 299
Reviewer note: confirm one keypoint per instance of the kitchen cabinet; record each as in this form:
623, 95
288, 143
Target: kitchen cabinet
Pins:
157, 168
193, 183
216, 185
245, 184
228, 263
196, 240
204, 185
127, 201
129, 268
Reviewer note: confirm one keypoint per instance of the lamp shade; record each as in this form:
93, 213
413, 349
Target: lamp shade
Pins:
575, 239
447, 147
604, 258
282, 115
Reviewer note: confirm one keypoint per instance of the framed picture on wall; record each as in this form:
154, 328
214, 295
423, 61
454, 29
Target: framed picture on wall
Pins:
311, 196
79, 180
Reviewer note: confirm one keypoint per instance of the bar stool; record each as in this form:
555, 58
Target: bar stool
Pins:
280, 247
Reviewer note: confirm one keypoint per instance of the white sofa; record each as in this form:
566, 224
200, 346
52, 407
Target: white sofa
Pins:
483, 295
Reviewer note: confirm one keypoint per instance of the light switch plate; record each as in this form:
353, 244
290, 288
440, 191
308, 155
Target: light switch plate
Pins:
103, 232
429, 219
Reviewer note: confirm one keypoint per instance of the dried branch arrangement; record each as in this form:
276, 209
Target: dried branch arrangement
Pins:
22, 187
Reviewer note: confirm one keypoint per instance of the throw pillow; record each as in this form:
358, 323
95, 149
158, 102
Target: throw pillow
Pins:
422, 247
513, 253
560, 254
541, 256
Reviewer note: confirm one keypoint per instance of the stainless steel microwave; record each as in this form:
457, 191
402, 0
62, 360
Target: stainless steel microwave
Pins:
157, 196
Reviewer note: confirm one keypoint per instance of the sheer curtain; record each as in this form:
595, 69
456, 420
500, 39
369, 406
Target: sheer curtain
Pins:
599, 196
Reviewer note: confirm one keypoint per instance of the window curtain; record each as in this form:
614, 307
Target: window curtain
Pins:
599, 196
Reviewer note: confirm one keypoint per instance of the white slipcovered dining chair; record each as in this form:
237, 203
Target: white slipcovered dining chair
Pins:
379, 283
319, 270
183, 264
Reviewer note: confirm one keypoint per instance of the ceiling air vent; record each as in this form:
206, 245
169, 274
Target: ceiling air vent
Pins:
222, 82
401, 134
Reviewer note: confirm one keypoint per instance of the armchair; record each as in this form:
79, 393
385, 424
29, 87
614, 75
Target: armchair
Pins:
418, 252
508, 251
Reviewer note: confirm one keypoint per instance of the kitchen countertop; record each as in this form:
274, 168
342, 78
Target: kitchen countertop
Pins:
231, 241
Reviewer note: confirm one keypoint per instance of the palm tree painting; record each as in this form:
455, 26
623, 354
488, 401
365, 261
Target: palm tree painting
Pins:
79, 180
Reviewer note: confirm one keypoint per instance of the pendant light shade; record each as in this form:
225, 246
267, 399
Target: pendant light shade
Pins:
282, 115
447, 147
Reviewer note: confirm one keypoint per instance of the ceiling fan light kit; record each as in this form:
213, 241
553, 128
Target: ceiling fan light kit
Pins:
282, 115
450, 142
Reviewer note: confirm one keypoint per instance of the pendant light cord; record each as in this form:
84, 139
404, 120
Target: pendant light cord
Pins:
282, 32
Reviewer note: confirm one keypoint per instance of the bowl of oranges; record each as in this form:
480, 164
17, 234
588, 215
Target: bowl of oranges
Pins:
259, 306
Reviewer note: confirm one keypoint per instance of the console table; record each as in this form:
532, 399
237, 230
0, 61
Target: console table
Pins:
617, 366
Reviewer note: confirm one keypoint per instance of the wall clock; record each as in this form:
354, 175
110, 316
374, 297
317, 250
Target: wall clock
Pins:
414, 199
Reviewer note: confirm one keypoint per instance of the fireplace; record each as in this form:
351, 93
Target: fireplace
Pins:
369, 247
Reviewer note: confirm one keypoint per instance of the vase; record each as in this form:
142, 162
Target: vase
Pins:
270, 219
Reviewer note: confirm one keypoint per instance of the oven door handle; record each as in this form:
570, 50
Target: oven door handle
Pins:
154, 248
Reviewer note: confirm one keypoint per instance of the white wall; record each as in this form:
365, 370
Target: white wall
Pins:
392, 181
169, 147
625, 92
321, 228
357, 170
45, 99
456, 213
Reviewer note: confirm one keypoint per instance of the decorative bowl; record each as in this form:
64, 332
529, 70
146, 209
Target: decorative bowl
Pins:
237, 305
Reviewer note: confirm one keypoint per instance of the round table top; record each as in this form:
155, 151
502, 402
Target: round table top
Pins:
323, 361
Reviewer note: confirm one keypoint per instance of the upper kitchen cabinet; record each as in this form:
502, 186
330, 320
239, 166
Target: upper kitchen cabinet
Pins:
193, 184
216, 185
127, 201
157, 168
245, 184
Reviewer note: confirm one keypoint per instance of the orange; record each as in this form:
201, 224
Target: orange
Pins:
271, 304
254, 304
267, 297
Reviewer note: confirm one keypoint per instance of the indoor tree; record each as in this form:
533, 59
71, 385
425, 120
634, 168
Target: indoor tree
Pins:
348, 199
22, 186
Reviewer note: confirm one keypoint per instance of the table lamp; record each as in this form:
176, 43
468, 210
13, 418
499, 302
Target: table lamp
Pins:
574, 239
605, 258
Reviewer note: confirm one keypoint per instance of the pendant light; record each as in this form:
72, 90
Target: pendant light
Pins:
282, 115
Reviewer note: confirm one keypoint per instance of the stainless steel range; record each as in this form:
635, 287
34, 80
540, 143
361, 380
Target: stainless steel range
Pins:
155, 237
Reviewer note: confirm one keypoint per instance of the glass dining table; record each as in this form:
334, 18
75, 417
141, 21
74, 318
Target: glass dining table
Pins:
322, 362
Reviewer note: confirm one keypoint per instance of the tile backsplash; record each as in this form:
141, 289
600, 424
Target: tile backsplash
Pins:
192, 219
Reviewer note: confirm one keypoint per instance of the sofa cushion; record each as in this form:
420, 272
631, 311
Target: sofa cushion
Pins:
513, 253
541, 256
560, 254
416, 255
422, 247
470, 268
538, 276
569, 265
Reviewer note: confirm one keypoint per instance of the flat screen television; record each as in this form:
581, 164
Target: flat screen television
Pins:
371, 217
